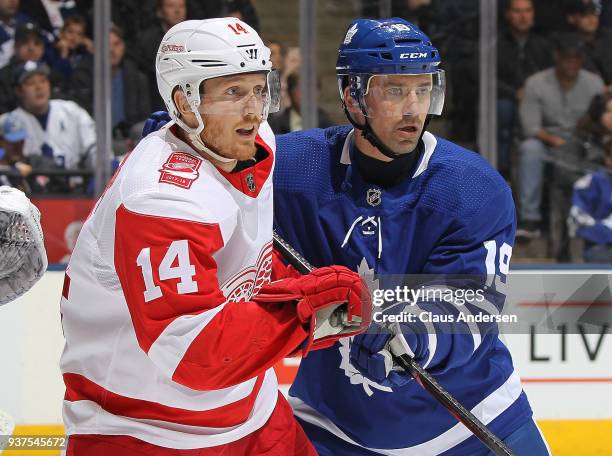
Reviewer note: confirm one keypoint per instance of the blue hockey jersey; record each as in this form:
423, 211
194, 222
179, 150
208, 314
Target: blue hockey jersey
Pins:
455, 215
591, 213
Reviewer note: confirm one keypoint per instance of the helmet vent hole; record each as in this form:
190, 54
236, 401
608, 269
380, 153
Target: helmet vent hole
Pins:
373, 54
242, 64
208, 63
386, 55
433, 54
382, 45
424, 67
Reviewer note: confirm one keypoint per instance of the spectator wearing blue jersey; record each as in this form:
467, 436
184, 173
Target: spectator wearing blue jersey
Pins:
555, 99
14, 168
10, 18
591, 213
583, 153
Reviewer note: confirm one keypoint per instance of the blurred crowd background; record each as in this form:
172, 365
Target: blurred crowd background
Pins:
554, 96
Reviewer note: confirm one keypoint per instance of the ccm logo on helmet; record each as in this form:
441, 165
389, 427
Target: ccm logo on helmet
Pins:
413, 55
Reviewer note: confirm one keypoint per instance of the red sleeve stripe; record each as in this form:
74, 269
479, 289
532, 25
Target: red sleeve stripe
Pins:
169, 348
79, 388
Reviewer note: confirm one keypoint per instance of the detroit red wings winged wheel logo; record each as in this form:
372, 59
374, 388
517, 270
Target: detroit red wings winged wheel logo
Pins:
249, 281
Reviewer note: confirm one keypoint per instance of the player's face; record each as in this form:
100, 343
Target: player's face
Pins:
232, 108
35, 92
398, 106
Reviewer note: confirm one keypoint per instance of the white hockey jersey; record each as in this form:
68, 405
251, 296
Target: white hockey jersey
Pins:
70, 133
162, 342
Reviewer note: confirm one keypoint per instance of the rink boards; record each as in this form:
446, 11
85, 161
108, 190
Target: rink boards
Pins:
568, 377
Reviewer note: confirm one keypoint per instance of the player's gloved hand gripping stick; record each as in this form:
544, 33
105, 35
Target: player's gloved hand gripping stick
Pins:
406, 362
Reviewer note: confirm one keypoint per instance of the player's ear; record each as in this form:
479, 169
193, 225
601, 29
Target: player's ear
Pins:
351, 104
181, 103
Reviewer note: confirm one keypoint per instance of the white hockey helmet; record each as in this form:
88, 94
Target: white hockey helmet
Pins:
193, 51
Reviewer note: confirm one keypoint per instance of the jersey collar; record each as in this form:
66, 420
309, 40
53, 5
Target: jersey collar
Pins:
429, 141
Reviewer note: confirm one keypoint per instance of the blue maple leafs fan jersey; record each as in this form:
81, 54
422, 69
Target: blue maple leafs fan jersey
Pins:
455, 215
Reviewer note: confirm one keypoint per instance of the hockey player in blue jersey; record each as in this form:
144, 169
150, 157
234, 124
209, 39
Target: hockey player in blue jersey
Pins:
387, 196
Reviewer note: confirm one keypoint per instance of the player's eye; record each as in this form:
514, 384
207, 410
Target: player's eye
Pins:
394, 91
234, 92
421, 91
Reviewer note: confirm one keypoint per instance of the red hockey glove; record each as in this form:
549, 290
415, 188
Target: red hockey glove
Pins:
333, 302
280, 270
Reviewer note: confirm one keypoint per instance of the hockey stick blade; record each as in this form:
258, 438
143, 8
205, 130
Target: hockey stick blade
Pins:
424, 378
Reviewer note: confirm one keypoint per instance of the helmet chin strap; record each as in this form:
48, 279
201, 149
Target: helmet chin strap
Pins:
368, 133
196, 140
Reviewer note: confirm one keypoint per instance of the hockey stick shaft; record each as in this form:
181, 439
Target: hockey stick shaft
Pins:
424, 378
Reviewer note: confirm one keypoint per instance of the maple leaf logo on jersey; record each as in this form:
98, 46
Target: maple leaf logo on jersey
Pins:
181, 169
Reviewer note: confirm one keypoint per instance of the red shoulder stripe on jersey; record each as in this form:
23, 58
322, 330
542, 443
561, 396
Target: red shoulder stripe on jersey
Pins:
250, 181
80, 388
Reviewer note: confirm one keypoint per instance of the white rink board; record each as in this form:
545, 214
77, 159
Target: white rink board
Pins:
31, 388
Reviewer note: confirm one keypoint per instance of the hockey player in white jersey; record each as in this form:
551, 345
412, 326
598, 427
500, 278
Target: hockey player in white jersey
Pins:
171, 324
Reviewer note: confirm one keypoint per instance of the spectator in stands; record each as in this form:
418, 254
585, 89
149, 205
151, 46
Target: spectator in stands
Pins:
584, 17
554, 100
12, 160
50, 14
73, 45
278, 53
411, 10
57, 130
591, 212
130, 91
10, 18
29, 46
290, 119
170, 13
521, 53
240, 9
585, 152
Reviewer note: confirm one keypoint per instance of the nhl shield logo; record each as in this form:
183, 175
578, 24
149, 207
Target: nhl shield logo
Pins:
250, 181
373, 197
